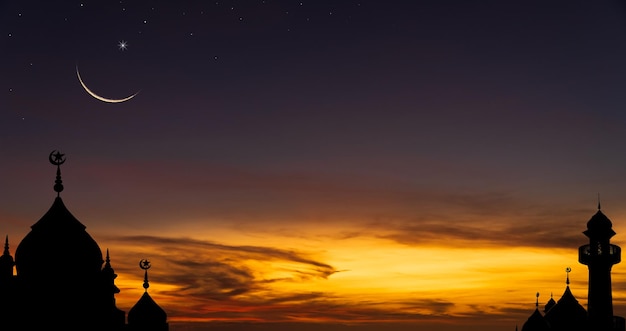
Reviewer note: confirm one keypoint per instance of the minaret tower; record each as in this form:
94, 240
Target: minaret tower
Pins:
600, 256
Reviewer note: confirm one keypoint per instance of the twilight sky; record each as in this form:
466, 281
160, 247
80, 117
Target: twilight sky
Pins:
353, 163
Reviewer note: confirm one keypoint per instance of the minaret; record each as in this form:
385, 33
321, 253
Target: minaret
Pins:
599, 256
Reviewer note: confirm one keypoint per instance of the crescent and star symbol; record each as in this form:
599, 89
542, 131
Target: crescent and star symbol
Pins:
144, 264
98, 97
56, 158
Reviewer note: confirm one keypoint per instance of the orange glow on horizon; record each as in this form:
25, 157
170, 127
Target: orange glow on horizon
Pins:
372, 276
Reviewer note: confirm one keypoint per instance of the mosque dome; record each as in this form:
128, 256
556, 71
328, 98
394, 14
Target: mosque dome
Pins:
58, 241
567, 314
146, 314
536, 322
58, 250
146, 311
599, 226
549, 304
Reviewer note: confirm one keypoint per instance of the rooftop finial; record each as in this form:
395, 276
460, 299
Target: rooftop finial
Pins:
6, 245
145, 265
56, 158
108, 260
567, 271
537, 300
598, 201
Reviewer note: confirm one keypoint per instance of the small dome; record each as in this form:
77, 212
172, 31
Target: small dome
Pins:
536, 322
599, 226
567, 314
6, 259
549, 305
146, 312
58, 241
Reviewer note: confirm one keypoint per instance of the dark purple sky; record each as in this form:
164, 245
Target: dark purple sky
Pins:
450, 93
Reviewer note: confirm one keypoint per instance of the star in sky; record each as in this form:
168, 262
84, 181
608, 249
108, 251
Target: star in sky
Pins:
122, 45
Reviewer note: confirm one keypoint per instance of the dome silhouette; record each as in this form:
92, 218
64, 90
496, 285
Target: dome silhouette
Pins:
146, 314
60, 231
60, 281
567, 314
536, 322
599, 226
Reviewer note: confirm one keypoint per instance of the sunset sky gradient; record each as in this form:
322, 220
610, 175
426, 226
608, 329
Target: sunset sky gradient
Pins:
360, 165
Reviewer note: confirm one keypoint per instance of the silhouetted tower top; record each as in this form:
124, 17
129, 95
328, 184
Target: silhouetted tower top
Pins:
146, 314
599, 227
600, 256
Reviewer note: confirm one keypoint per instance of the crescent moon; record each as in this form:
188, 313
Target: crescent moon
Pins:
93, 94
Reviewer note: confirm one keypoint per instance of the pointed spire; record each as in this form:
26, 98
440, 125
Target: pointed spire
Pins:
110, 276
567, 271
599, 207
146, 284
56, 158
6, 263
537, 301
6, 246
107, 261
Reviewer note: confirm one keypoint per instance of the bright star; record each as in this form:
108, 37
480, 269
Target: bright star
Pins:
122, 45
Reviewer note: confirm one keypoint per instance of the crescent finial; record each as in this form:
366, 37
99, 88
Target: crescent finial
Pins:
57, 158
145, 264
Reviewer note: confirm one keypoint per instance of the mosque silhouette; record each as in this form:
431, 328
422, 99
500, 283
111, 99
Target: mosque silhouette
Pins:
567, 314
60, 281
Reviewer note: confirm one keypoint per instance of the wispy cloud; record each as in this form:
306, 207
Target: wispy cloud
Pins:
199, 280
206, 276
